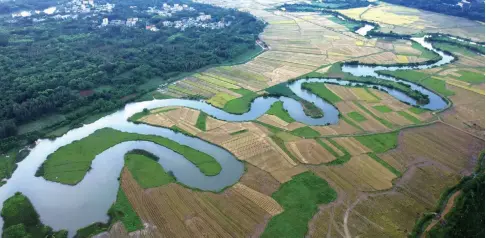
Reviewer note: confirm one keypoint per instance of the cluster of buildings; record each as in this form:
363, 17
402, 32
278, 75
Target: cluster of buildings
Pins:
201, 21
87, 6
167, 10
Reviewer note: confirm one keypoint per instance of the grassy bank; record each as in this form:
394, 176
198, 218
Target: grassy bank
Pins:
70, 163
146, 171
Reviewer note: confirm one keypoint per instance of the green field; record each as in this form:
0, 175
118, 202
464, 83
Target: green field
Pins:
383, 108
201, 121
240, 105
305, 132
146, 171
471, 77
70, 163
438, 86
279, 111
379, 143
356, 116
322, 91
300, 198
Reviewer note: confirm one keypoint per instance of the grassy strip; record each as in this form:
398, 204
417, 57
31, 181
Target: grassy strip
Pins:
383, 121
123, 211
238, 132
322, 91
409, 117
271, 128
22, 220
328, 148
201, 121
372, 94
352, 123
282, 146
383, 108
424, 79
279, 111
300, 198
379, 143
146, 171
356, 116
70, 163
305, 132
385, 164
341, 159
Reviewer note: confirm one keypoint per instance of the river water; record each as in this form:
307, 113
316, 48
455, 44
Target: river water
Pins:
72, 207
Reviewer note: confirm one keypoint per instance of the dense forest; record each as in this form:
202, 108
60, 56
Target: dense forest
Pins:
472, 9
74, 66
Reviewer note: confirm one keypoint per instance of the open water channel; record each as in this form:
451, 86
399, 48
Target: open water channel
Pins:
72, 207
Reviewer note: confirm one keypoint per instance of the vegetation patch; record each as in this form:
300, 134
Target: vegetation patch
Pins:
409, 117
305, 132
8, 163
201, 121
281, 143
238, 132
356, 116
383, 108
123, 211
70, 163
350, 122
300, 198
240, 105
279, 111
147, 171
22, 220
322, 91
379, 143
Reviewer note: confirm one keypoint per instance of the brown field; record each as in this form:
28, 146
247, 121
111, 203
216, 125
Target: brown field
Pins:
308, 151
342, 128
176, 211
439, 143
352, 145
437, 154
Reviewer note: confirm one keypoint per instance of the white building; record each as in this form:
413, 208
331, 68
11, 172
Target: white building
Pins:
104, 22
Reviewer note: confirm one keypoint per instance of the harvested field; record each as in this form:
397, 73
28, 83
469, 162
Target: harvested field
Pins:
361, 173
352, 145
308, 151
438, 142
176, 211
259, 180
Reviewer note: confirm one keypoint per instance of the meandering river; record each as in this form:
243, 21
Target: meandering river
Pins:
72, 207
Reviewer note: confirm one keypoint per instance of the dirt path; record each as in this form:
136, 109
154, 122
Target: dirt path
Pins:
447, 209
